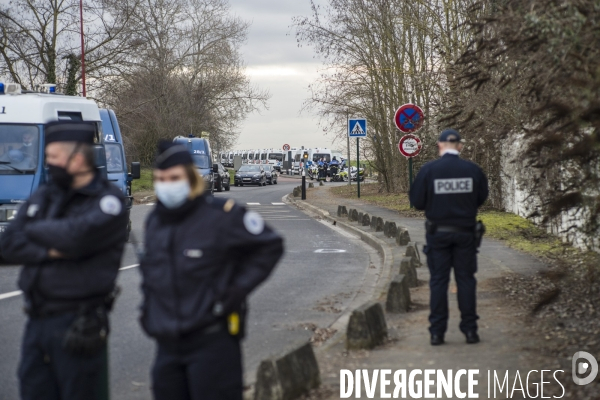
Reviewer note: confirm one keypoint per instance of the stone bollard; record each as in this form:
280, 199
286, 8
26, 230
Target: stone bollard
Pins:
413, 251
398, 297
296, 192
389, 229
379, 226
373, 222
288, 376
351, 214
366, 220
407, 267
359, 217
354, 215
367, 327
402, 237
342, 212
311, 185
321, 183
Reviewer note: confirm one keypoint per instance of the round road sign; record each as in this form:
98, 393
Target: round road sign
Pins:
409, 118
286, 147
410, 146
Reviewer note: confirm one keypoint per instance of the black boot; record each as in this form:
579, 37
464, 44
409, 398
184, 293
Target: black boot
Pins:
472, 337
436, 339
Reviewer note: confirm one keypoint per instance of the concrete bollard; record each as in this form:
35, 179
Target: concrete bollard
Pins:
342, 211
366, 220
402, 237
398, 297
311, 185
350, 212
390, 229
367, 327
321, 183
373, 222
359, 217
354, 216
296, 192
289, 376
379, 226
407, 267
413, 251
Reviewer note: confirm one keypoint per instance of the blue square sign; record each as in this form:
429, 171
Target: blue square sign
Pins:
357, 127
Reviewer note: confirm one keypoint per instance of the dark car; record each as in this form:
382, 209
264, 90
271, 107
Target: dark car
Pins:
222, 178
271, 174
250, 175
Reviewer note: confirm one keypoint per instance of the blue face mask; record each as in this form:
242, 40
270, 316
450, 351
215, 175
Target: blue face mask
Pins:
172, 194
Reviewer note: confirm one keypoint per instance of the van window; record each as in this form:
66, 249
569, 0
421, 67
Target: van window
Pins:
201, 161
276, 156
19, 148
263, 156
114, 158
318, 156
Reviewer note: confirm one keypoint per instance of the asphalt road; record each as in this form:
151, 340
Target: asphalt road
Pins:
321, 271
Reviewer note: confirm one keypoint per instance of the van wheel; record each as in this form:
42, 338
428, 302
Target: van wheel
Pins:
228, 187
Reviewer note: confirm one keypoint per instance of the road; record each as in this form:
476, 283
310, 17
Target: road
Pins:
317, 278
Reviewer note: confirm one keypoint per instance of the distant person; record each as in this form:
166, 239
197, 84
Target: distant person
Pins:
450, 190
70, 236
333, 167
204, 256
114, 161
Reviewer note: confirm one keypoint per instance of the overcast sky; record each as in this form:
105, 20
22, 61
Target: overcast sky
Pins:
277, 64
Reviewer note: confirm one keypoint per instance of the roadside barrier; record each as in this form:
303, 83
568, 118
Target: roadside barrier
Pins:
288, 376
398, 297
367, 327
407, 268
402, 237
389, 229
413, 251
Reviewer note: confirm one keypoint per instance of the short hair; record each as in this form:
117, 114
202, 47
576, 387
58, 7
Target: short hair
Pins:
84, 149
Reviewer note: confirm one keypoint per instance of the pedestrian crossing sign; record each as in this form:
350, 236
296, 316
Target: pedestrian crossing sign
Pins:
357, 127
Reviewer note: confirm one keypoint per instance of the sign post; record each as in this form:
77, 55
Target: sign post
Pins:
409, 118
357, 128
410, 146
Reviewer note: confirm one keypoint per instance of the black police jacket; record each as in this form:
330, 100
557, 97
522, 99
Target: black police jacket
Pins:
195, 255
450, 190
87, 225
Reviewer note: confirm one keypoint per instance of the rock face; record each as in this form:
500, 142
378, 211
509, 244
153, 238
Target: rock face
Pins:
402, 237
367, 327
407, 267
398, 297
288, 376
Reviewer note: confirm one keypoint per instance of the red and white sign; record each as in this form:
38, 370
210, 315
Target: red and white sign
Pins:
286, 147
410, 146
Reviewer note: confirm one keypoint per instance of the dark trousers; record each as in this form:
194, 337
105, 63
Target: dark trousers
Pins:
202, 368
445, 250
47, 372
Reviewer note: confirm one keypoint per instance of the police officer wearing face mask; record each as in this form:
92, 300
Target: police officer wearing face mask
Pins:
70, 236
204, 255
450, 190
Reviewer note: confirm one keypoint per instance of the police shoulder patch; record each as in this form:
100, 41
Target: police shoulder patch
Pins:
254, 223
110, 205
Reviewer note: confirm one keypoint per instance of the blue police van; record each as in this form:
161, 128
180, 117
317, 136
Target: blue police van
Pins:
23, 116
202, 155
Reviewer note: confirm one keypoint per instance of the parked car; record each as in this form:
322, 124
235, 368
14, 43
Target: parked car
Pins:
272, 174
250, 175
221, 178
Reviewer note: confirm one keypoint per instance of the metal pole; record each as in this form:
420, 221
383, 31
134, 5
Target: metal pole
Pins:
82, 48
303, 184
348, 135
410, 178
358, 167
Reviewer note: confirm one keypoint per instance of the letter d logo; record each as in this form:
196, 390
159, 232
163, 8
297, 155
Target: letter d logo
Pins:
583, 367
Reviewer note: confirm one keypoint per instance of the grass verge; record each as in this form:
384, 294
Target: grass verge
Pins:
144, 183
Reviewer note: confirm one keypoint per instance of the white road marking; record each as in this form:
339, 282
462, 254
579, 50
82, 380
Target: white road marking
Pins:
10, 294
278, 204
150, 204
19, 292
329, 251
253, 204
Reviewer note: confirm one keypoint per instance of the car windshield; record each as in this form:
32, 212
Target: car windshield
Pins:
318, 156
201, 161
250, 168
276, 156
19, 148
114, 158
268, 168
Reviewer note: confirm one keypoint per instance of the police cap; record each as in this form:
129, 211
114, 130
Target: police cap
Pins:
171, 154
71, 131
449, 135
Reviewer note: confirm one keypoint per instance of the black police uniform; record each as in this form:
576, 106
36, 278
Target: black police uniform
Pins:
208, 251
89, 226
450, 190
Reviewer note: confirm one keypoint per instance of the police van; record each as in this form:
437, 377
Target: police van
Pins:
202, 156
23, 116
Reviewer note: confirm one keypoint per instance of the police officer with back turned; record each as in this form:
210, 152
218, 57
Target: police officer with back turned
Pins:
70, 237
204, 255
450, 190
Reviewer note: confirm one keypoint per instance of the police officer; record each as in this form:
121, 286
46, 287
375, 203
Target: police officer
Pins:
204, 255
334, 165
450, 190
70, 237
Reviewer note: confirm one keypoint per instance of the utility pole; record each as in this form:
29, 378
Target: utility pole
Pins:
82, 48
348, 136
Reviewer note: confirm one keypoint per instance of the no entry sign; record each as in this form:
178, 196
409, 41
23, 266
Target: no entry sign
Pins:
409, 118
286, 147
410, 146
